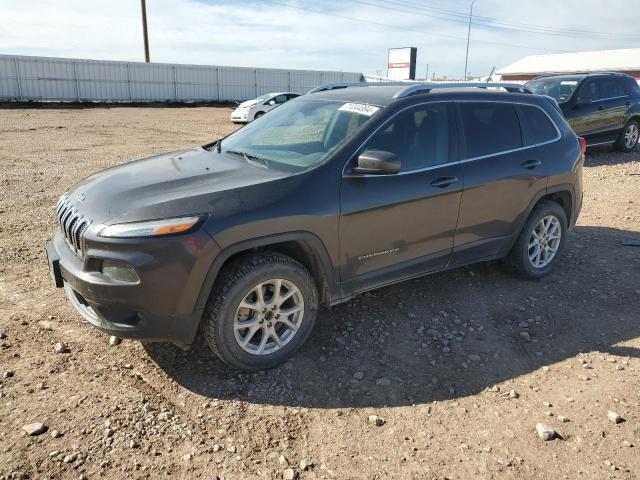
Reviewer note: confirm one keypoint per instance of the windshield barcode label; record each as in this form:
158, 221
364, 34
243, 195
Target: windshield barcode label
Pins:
360, 108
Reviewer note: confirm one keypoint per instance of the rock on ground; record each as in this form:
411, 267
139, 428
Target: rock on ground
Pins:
545, 432
614, 417
35, 428
289, 474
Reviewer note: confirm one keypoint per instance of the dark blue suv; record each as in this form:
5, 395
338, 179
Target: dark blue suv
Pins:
330, 195
604, 108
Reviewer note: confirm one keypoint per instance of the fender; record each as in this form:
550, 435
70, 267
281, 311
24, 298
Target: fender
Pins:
563, 187
575, 203
319, 250
634, 111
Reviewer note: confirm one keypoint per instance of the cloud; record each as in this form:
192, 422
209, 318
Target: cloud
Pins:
265, 33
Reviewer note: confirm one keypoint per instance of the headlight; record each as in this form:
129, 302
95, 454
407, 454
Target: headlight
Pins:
152, 228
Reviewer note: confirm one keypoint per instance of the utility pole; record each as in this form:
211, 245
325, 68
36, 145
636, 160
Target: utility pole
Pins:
426, 74
466, 58
143, 4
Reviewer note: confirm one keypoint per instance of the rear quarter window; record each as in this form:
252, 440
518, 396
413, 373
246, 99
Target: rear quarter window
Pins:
538, 128
631, 86
490, 128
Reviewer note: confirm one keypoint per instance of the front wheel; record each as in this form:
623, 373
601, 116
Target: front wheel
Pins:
540, 242
262, 310
629, 136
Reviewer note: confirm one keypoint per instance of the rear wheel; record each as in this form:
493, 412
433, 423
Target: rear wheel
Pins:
262, 310
629, 136
540, 242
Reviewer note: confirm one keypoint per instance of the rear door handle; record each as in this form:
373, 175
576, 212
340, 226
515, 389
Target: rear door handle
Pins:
601, 107
531, 164
444, 181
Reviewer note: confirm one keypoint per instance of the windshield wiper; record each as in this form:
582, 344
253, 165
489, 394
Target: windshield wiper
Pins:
248, 157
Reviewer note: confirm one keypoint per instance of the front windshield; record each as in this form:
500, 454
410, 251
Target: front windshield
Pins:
560, 89
300, 133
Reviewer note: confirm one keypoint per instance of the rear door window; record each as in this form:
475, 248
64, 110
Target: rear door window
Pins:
538, 128
490, 127
609, 88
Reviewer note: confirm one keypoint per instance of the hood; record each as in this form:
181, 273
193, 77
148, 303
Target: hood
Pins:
248, 103
172, 184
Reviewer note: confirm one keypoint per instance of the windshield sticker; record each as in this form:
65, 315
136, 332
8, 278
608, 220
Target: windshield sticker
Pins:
568, 82
360, 108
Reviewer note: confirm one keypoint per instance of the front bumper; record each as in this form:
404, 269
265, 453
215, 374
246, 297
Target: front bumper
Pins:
161, 306
239, 116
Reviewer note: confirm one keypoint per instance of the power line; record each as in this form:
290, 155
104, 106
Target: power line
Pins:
398, 27
462, 17
521, 24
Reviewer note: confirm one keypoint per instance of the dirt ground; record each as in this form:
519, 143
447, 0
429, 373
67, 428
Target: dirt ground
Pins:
435, 358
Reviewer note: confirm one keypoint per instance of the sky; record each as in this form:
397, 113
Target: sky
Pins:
347, 35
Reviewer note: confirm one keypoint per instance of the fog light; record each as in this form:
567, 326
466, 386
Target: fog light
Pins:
119, 271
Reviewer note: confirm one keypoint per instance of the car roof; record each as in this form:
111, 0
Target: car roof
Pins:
581, 76
561, 77
385, 95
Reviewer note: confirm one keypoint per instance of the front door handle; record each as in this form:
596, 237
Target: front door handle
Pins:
444, 181
601, 107
531, 164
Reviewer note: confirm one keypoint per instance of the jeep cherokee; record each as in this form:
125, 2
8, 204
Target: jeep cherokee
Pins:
330, 195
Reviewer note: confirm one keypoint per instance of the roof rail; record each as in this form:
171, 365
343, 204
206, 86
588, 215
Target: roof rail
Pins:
586, 74
336, 86
427, 87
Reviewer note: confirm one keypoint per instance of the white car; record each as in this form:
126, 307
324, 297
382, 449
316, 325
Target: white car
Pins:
251, 109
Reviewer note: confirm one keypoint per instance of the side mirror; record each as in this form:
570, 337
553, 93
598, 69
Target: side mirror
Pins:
272, 103
583, 101
377, 162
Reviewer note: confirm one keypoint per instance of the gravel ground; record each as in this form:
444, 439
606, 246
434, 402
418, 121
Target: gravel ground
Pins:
456, 375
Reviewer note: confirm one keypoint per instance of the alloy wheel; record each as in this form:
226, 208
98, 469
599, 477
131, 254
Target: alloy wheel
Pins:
544, 241
631, 136
268, 317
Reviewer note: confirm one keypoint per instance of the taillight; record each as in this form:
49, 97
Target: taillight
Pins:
583, 144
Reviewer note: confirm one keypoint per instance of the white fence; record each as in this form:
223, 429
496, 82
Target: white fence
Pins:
48, 78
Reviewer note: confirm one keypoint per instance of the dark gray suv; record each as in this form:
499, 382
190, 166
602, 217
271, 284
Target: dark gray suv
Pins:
330, 195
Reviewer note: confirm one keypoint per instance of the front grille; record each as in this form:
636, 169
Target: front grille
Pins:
72, 224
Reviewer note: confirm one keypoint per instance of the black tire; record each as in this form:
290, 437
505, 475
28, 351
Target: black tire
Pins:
234, 283
518, 257
621, 141
258, 115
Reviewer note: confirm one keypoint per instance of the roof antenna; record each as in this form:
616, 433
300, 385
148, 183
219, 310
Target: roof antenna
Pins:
491, 74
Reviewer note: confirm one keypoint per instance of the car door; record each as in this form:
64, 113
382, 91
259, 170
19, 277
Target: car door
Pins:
274, 102
503, 172
612, 105
394, 226
586, 118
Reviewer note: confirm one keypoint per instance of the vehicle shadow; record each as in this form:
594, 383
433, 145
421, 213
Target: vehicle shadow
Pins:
443, 336
608, 155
